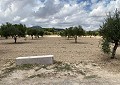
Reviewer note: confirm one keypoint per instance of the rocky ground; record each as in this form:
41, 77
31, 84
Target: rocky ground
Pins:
75, 64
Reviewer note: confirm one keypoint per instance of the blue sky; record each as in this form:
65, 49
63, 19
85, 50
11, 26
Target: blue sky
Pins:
57, 13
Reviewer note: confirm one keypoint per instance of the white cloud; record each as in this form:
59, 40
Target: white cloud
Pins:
41, 20
99, 11
50, 8
16, 18
23, 20
57, 13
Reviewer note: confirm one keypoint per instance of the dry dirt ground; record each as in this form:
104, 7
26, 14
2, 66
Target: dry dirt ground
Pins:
80, 64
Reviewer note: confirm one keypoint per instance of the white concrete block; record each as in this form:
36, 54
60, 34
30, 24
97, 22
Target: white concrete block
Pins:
44, 59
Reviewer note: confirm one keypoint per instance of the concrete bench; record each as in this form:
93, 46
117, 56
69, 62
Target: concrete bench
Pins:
45, 59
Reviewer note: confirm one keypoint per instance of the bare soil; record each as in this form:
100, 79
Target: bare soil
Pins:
95, 64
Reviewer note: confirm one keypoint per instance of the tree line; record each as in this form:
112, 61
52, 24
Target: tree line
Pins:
77, 31
20, 30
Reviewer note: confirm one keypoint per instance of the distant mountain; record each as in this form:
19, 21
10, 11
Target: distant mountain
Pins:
36, 27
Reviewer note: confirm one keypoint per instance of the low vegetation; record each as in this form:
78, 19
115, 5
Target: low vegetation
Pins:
42, 71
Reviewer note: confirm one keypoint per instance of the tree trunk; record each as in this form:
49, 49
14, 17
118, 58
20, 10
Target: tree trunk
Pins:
38, 36
15, 38
6, 37
75, 38
32, 37
114, 50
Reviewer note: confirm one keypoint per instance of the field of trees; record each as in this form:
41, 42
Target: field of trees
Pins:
72, 44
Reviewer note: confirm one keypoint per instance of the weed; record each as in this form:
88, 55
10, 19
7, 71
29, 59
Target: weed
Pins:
90, 76
25, 67
63, 67
57, 62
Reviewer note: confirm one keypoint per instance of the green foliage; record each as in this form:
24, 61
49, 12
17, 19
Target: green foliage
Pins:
30, 31
35, 32
49, 31
21, 29
110, 30
106, 46
70, 31
40, 32
63, 67
63, 33
5, 30
92, 33
26, 66
111, 27
81, 31
9, 29
73, 32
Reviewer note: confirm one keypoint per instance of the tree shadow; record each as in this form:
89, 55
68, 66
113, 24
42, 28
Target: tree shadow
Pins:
17, 42
2, 38
111, 65
107, 58
78, 43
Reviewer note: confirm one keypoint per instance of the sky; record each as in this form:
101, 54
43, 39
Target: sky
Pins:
90, 14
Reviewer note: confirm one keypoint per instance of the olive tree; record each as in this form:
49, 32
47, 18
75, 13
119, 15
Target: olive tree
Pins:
63, 33
32, 32
15, 30
21, 29
35, 32
75, 32
40, 32
5, 30
69, 32
78, 31
92, 33
110, 31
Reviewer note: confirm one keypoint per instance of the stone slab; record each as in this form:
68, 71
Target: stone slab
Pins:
44, 59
